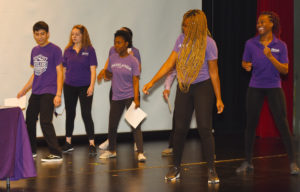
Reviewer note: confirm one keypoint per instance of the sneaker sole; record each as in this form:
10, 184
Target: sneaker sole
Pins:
174, 178
52, 160
214, 182
166, 154
114, 156
69, 150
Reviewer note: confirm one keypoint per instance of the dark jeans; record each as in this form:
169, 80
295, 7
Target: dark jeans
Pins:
71, 95
43, 105
116, 111
201, 98
276, 101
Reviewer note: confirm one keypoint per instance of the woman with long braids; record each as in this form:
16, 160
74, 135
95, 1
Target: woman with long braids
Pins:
267, 57
195, 57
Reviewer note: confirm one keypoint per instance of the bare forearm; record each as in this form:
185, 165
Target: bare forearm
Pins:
283, 68
93, 76
60, 80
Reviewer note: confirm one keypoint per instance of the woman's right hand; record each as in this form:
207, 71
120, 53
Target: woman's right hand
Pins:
247, 65
147, 87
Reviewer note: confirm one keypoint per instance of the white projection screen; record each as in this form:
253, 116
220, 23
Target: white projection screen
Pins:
155, 25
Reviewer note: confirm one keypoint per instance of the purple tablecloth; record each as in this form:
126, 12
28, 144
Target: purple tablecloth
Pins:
16, 160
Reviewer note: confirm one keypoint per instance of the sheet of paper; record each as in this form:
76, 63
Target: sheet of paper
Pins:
169, 104
15, 102
134, 116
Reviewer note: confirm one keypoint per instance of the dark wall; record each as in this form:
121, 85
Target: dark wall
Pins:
231, 23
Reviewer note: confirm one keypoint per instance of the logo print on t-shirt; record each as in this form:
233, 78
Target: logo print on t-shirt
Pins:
40, 64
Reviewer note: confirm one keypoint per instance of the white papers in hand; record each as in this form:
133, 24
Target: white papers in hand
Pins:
16, 102
134, 116
169, 104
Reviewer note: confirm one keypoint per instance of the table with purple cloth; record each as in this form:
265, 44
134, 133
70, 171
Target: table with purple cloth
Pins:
16, 160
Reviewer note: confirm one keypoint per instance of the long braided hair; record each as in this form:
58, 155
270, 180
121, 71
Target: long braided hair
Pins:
192, 53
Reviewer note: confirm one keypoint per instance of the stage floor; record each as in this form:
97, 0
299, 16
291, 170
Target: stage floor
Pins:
80, 172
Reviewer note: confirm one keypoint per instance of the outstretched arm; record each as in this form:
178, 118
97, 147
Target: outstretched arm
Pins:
166, 67
26, 88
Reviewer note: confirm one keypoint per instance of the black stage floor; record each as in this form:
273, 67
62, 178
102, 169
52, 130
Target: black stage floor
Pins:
79, 172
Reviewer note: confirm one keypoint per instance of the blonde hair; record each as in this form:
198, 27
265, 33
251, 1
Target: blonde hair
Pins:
192, 53
86, 42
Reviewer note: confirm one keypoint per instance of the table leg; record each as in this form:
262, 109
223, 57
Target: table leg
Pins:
7, 183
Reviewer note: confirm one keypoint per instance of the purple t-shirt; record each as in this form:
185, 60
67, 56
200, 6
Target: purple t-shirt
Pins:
135, 51
264, 73
211, 53
44, 61
78, 66
123, 70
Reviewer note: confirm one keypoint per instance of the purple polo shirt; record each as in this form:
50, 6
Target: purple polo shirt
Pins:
211, 53
123, 70
264, 74
44, 61
135, 51
78, 66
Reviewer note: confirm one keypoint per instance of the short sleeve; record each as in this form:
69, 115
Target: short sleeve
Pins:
284, 58
58, 56
247, 53
109, 63
135, 67
92, 57
178, 43
211, 50
64, 61
111, 51
137, 55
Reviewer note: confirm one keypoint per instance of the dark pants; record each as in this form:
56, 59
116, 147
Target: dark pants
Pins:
201, 98
276, 101
43, 105
71, 95
116, 111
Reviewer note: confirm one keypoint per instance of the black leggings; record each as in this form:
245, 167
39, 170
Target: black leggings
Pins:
115, 113
201, 98
276, 100
71, 95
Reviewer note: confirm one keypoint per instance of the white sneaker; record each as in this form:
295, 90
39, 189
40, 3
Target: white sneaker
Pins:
141, 157
104, 145
107, 155
135, 147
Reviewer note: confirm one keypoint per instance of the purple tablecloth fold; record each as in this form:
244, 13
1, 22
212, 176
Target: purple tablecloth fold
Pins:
16, 160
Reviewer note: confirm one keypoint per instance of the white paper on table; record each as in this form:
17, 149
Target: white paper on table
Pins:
60, 109
16, 102
134, 116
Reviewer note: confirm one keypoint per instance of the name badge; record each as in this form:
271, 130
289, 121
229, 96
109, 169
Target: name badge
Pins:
275, 50
85, 53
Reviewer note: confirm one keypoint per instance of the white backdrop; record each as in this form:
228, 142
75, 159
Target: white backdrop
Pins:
155, 25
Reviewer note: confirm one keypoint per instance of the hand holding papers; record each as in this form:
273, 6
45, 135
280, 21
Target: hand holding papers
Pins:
16, 102
134, 116
169, 105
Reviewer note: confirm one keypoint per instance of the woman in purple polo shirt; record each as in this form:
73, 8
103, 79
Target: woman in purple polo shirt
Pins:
195, 56
123, 68
267, 57
80, 64
132, 51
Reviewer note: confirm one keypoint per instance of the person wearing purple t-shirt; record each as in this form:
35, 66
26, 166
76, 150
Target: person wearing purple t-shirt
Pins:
132, 51
267, 57
123, 68
80, 64
195, 56
46, 83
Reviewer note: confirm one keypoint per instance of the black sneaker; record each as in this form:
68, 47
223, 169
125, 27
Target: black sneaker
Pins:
92, 150
67, 147
173, 174
212, 176
52, 158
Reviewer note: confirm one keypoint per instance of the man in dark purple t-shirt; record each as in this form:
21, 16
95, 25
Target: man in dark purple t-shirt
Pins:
46, 83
